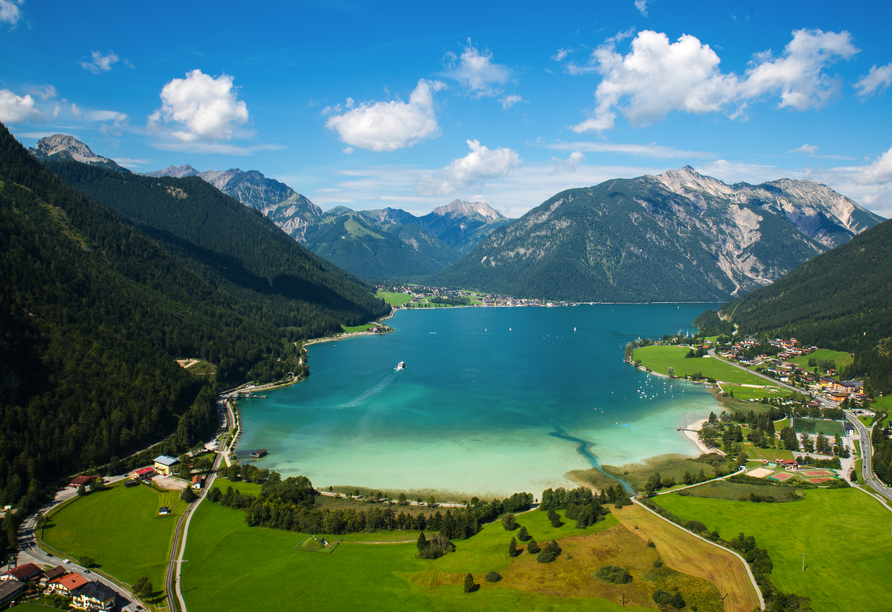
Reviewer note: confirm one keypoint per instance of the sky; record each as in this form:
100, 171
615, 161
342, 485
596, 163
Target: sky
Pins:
396, 104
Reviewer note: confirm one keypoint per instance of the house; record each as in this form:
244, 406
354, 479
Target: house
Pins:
94, 596
164, 510
23, 573
787, 464
50, 575
66, 585
79, 481
165, 464
146, 473
197, 481
9, 590
259, 453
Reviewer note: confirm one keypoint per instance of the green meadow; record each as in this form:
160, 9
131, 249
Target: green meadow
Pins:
661, 358
841, 359
232, 566
395, 299
121, 530
843, 533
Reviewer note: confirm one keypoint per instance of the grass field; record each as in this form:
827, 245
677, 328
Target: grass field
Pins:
674, 466
232, 566
120, 528
744, 394
842, 359
395, 299
735, 491
357, 328
660, 358
813, 426
684, 553
843, 533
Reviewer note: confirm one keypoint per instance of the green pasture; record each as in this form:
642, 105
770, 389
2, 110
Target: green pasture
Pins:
237, 485
843, 533
395, 299
358, 328
660, 358
235, 567
813, 426
737, 491
745, 394
841, 359
121, 530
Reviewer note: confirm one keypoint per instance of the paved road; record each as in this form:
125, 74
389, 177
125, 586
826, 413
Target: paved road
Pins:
867, 475
29, 552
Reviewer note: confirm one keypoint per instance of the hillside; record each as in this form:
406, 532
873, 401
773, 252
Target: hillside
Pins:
93, 314
840, 300
679, 236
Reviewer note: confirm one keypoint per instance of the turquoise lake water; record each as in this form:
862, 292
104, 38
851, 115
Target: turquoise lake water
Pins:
492, 401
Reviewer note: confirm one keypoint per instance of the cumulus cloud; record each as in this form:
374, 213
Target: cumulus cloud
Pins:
509, 101
44, 92
205, 108
10, 12
100, 63
806, 148
878, 172
476, 72
387, 126
641, 5
877, 80
657, 77
17, 109
474, 169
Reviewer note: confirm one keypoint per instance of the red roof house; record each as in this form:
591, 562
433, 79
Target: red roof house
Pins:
23, 573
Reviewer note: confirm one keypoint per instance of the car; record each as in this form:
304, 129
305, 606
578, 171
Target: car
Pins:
65, 561
49, 554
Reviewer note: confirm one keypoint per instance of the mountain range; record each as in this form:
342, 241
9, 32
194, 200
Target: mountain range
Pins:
385, 243
677, 236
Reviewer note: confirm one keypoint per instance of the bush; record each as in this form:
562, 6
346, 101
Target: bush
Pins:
523, 535
546, 557
695, 526
509, 522
187, 495
493, 577
672, 600
533, 547
614, 574
469, 584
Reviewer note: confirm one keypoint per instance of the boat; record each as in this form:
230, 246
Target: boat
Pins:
401, 366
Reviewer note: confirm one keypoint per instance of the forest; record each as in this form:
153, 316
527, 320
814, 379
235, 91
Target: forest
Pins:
94, 311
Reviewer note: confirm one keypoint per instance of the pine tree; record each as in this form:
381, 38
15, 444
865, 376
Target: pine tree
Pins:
422, 541
512, 548
523, 535
469, 583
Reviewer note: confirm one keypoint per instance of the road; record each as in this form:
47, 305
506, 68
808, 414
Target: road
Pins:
29, 552
867, 475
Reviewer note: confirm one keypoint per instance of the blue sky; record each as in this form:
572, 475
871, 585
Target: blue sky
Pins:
368, 105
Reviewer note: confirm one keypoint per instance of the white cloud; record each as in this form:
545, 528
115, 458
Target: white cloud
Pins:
878, 79
100, 63
799, 74
387, 126
569, 165
474, 169
806, 148
652, 150
44, 92
205, 108
476, 72
878, 172
657, 77
560, 55
641, 5
10, 12
509, 101
349, 150
17, 109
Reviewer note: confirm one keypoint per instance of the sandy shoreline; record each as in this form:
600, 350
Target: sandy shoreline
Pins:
692, 435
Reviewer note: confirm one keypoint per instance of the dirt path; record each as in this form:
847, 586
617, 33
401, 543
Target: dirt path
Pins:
684, 552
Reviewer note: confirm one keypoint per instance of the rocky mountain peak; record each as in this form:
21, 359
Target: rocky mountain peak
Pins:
174, 171
468, 208
63, 147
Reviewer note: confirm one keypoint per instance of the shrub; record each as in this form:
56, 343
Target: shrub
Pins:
695, 526
614, 574
546, 557
493, 577
533, 547
469, 583
672, 600
523, 535
509, 522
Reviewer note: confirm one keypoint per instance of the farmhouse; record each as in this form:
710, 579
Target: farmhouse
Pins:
164, 464
164, 510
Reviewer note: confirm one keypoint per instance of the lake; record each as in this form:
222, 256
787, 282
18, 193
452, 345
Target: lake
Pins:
492, 401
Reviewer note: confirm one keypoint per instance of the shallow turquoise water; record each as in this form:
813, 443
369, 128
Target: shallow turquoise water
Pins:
491, 402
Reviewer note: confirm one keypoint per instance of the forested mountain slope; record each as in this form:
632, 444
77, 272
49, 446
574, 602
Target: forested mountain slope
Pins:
93, 314
840, 300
